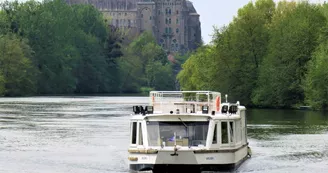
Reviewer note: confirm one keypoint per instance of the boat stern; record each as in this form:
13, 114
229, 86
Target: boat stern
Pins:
189, 160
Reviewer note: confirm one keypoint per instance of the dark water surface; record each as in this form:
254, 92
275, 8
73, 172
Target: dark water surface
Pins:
91, 135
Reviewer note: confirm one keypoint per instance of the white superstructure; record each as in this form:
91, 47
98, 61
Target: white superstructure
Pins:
189, 130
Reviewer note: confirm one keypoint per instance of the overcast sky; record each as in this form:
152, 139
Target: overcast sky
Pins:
217, 13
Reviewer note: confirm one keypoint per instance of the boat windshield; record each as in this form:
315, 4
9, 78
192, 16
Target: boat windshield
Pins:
181, 133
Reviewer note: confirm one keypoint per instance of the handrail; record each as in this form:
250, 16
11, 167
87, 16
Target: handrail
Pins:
167, 101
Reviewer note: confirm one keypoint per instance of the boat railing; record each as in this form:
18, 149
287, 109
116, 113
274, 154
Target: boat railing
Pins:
185, 101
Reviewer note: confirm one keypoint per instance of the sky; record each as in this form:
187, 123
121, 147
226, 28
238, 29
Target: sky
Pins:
216, 13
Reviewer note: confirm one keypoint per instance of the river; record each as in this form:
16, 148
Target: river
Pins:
91, 135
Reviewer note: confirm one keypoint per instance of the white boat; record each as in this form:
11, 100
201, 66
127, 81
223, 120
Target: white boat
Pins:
187, 130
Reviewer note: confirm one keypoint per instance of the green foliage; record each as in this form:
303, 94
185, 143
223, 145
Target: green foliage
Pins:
15, 66
196, 73
146, 90
91, 67
262, 57
70, 45
316, 83
316, 80
294, 34
231, 64
144, 64
2, 85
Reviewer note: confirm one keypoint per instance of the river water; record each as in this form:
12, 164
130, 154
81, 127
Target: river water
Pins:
91, 135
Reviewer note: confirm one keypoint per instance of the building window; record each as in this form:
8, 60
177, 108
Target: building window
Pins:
177, 21
174, 41
169, 20
166, 21
170, 30
159, 12
166, 30
177, 11
177, 30
168, 11
150, 18
141, 15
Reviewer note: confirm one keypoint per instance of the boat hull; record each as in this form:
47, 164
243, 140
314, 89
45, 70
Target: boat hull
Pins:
171, 168
191, 161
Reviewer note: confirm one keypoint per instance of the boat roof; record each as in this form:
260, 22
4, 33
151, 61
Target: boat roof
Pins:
192, 105
166, 101
192, 117
200, 91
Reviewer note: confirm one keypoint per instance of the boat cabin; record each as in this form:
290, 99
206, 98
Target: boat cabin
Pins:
194, 119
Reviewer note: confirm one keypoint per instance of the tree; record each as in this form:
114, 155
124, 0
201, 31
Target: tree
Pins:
197, 70
316, 79
231, 64
113, 51
144, 64
17, 74
70, 45
293, 38
316, 82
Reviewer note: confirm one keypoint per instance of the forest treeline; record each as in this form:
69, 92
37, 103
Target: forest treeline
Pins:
51, 47
270, 55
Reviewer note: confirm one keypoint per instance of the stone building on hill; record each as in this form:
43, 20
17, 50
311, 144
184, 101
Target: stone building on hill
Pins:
174, 23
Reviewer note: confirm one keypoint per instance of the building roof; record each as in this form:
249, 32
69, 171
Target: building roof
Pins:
190, 7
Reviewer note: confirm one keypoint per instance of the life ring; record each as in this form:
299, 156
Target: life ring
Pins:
217, 103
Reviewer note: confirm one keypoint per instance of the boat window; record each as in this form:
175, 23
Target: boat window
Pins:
224, 133
231, 131
134, 132
140, 135
215, 135
181, 133
238, 131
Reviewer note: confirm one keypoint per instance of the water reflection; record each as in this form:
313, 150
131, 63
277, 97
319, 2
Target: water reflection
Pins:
91, 134
287, 141
65, 134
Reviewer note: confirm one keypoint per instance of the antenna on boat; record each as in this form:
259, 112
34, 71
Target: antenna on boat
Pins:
226, 97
